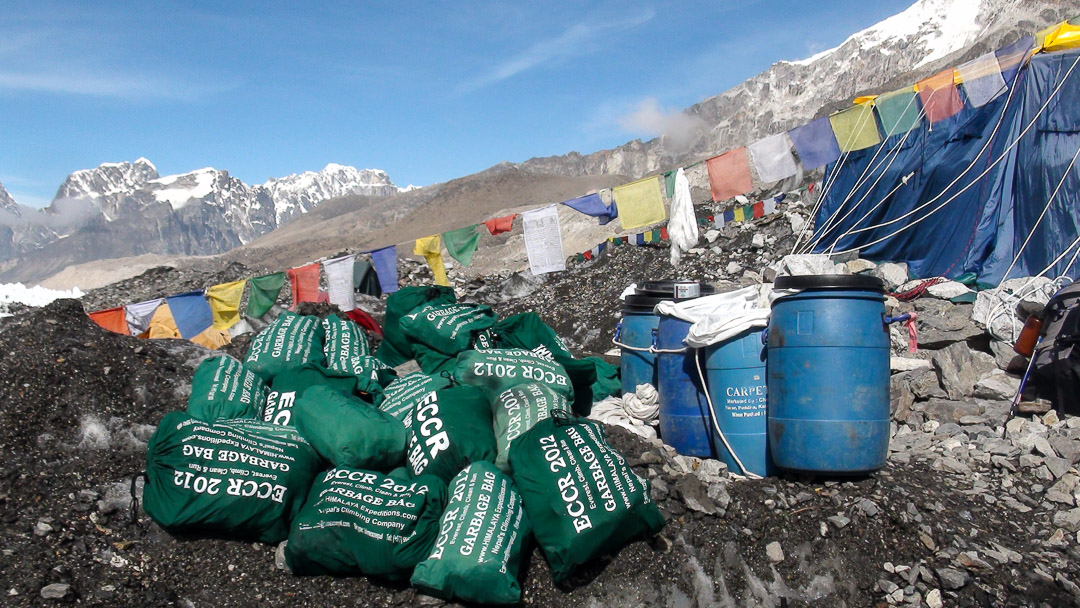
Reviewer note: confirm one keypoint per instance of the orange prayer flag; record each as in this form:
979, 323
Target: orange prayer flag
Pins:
500, 225
111, 319
729, 174
939, 96
304, 281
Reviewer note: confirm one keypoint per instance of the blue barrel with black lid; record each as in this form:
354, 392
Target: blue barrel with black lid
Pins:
828, 375
637, 331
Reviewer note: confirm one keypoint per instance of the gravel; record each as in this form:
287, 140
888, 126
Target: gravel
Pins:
963, 515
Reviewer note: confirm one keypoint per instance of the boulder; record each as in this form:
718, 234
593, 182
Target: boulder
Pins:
958, 369
907, 364
996, 385
925, 384
808, 263
1006, 358
900, 397
860, 265
893, 274
947, 289
943, 410
942, 323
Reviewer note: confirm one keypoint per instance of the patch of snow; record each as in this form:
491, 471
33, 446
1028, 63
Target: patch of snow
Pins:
180, 196
408, 188
942, 26
17, 293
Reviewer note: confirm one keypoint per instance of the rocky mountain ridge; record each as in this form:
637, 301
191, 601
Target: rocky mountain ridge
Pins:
929, 36
204, 211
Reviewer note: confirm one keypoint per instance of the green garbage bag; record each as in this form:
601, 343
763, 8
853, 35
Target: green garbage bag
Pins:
477, 555
582, 498
450, 428
289, 342
342, 340
401, 395
439, 332
370, 369
516, 410
349, 432
362, 522
223, 389
395, 348
593, 378
288, 386
525, 330
498, 369
240, 479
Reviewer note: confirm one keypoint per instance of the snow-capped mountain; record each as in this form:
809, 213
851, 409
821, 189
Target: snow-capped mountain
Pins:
126, 208
7, 203
299, 193
106, 185
928, 36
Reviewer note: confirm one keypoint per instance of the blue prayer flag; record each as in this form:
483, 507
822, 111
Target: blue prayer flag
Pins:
385, 262
815, 143
592, 204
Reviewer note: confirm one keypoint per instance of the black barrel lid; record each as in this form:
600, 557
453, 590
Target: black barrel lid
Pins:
861, 282
666, 288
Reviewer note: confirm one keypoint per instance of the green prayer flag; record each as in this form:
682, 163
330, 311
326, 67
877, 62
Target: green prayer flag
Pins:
263, 293
461, 243
656, 235
898, 111
669, 184
748, 212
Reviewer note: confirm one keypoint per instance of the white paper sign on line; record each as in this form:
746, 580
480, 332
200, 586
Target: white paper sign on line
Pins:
339, 281
543, 240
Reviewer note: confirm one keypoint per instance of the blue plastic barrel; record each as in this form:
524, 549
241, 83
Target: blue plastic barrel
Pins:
638, 328
735, 377
637, 367
685, 423
828, 375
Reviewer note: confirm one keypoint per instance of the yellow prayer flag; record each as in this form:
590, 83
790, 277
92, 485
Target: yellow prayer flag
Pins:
225, 303
640, 203
855, 128
431, 248
740, 216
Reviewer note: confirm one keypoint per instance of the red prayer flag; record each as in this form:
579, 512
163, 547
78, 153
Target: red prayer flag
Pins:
111, 319
939, 96
500, 225
588, 255
304, 282
759, 209
729, 174
663, 233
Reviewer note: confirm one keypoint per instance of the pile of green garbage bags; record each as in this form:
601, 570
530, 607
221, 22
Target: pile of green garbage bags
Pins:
443, 477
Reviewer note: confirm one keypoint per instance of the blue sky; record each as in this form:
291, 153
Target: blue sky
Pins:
428, 91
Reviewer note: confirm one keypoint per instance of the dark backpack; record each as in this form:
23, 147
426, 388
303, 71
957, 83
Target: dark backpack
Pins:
1057, 359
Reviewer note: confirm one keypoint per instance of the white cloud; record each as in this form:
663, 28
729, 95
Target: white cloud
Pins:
573, 41
650, 119
93, 84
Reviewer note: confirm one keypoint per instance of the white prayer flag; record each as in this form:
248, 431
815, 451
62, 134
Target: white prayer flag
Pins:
772, 157
543, 240
339, 281
982, 79
770, 205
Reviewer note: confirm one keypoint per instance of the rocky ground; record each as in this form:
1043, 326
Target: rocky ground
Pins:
968, 512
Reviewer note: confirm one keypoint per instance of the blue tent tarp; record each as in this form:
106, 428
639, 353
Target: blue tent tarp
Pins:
967, 212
